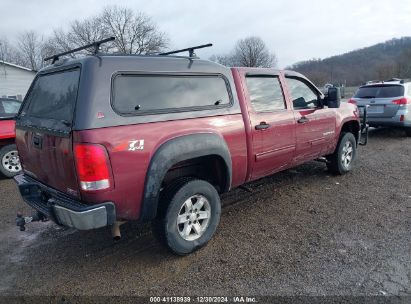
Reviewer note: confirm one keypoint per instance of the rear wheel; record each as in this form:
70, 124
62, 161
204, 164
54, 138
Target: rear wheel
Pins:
189, 215
342, 160
9, 161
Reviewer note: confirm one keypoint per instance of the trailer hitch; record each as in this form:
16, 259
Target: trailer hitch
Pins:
364, 127
22, 221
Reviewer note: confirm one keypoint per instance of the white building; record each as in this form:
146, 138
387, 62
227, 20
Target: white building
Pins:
15, 80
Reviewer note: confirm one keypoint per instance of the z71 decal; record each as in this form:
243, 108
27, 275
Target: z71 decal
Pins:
131, 145
136, 145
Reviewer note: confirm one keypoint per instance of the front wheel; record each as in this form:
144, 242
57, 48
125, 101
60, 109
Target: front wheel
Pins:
341, 161
9, 161
189, 217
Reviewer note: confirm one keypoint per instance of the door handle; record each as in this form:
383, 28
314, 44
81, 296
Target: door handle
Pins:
37, 142
303, 120
262, 126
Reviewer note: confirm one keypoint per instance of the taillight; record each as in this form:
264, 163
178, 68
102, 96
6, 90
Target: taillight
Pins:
92, 166
402, 101
353, 101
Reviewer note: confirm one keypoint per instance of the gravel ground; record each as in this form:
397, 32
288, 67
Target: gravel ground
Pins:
300, 232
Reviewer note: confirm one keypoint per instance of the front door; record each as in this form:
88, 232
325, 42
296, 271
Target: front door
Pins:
315, 125
273, 125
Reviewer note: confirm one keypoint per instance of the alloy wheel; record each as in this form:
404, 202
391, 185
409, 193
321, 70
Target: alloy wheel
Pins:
11, 162
194, 217
347, 154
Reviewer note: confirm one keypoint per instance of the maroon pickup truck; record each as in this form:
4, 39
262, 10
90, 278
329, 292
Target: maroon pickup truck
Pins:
109, 138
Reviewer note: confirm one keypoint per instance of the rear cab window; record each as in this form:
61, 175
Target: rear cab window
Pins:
380, 91
52, 98
150, 94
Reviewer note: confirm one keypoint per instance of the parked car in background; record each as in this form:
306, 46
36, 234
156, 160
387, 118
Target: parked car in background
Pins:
9, 159
389, 103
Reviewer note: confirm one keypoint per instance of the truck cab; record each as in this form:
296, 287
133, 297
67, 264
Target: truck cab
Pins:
290, 123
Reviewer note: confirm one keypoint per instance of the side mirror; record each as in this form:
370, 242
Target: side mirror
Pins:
333, 99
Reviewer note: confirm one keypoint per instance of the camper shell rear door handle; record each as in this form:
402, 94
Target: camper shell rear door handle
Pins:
37, 141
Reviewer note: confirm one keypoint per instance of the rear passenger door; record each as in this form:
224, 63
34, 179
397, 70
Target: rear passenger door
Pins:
315, 125
273, 125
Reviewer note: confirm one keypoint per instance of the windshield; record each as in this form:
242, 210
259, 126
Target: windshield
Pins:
53, 96
9, 108
380, 91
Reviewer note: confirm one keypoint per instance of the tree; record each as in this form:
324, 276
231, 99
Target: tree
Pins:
386, 70
227, 60
248, 52
252, 52
31, 50
4, 55
6, 51
80, 33
378, 62
404, 64
135, 33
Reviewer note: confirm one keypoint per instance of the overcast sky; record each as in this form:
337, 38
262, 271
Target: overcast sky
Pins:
295, 30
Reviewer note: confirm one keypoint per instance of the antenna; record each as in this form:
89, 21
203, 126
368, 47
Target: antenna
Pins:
95, 44
190, 50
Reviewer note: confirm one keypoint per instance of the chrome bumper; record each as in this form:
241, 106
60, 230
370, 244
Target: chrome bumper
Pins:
62, 209
82, 220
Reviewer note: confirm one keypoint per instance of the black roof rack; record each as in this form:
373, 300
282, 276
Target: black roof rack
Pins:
372, 82
190, 50
395, 79
95, 44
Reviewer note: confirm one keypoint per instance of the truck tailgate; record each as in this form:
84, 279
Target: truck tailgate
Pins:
44, 130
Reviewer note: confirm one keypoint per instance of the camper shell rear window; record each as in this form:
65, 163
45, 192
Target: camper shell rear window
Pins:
53, 96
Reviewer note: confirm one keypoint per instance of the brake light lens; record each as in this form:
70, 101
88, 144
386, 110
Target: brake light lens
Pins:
402, 101
353, 101
92, 166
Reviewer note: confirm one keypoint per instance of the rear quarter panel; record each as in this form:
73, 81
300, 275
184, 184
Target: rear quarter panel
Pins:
129, 167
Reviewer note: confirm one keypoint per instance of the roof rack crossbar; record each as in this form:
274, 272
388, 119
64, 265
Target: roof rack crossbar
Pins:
395, 79
190, 50
95, 44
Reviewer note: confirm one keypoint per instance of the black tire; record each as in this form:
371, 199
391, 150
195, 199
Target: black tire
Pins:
6, 168
172, 204
336, 163
408, 132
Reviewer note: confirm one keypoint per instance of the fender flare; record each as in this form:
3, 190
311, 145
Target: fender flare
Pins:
174, 151
348, 120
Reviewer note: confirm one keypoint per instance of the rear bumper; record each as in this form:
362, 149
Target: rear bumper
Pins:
63, 209
389, 122
401, 119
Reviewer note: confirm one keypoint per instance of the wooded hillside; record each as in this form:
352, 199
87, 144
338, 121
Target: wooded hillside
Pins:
378, 62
